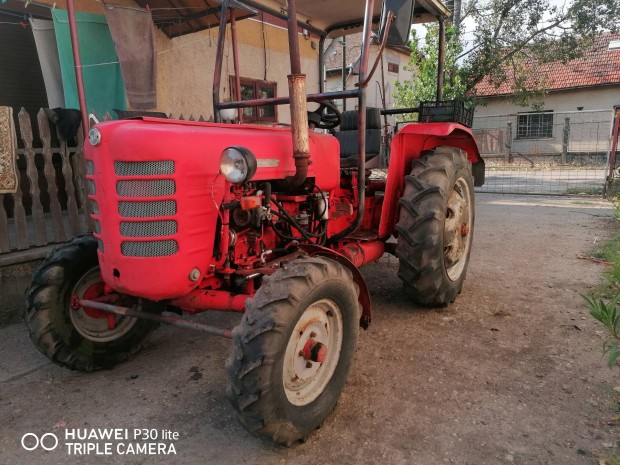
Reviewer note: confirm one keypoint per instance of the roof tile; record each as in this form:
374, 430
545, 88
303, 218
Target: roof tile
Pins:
598, 67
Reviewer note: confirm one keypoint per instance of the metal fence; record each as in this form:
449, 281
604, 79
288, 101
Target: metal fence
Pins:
545, 152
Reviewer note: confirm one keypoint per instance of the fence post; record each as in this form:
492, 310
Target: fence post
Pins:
50, 175
25, 129
508, 144
565, 138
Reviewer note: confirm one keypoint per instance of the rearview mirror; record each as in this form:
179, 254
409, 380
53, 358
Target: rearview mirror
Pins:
400, 29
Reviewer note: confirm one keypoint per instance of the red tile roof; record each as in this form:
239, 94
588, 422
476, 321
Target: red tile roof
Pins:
600, 66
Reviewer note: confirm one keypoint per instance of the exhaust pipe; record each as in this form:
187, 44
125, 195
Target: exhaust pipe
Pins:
298, 104
299, 125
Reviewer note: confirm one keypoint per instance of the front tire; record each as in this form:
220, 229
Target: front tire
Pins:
72, 336
436, 227
280, 388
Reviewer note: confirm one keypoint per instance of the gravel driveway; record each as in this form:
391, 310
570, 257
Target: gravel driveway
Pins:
510, 373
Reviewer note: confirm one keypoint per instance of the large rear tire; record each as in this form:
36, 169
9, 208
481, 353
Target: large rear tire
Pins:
284, 384
436, 227
68, 334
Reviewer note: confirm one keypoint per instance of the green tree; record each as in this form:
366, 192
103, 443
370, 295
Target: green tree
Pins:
423, 63
509, 38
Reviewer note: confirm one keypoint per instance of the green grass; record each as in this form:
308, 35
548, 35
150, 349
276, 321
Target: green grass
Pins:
604, 301
612, 460
609, 253
589, 190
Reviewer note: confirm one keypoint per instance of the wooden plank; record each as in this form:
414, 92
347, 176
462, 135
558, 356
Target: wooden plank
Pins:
24, 256
19, 215
5, 244
67, 172
25, 129
79, 177
52, 189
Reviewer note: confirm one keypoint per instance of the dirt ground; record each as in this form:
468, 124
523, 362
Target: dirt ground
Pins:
511, 373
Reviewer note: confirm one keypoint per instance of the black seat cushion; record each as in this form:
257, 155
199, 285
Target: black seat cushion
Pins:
347, 136
349, 119
349, 146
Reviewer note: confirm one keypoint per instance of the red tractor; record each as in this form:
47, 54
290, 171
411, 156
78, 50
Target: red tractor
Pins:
268, 221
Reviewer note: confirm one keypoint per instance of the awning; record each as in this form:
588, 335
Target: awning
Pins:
178, 17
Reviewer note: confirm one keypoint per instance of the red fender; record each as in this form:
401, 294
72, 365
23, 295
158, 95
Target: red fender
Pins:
407, 145
364, 297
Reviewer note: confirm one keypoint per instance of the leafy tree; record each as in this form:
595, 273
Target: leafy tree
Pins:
509, 38
423, 63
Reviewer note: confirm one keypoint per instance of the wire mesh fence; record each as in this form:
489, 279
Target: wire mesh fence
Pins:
548, 153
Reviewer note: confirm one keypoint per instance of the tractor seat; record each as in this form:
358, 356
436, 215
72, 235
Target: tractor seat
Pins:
347, 136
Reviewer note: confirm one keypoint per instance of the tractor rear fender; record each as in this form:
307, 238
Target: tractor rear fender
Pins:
364, 297
407, 145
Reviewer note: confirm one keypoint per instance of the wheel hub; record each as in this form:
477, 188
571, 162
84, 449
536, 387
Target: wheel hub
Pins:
457, 229
312, 352
97, 325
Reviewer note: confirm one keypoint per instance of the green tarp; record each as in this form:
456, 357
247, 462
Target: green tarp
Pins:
103, 81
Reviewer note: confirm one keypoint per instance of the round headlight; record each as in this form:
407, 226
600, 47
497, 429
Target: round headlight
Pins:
94, 136
237, 164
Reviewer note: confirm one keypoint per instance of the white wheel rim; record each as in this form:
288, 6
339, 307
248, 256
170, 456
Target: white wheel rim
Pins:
457, 229
304, 380
96, 329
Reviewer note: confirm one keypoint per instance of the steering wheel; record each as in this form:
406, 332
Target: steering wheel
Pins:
323, 119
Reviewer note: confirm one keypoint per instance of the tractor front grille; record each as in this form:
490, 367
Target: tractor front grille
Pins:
144, 168
135, 215
149, 228
147, 209
149, 249
156, 188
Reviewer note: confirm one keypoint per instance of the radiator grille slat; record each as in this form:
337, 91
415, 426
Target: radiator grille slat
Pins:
143, 168
149, 228
147, 209
155, 188
149, 249
92, 190
90, 167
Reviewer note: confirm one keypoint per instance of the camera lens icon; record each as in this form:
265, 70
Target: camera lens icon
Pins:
48, 441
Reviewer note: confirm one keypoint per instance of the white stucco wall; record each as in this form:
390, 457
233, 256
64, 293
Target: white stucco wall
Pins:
334, 81
602, 98
185, 68
588, 128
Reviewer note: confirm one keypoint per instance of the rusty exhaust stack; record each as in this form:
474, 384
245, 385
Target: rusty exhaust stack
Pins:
298, 104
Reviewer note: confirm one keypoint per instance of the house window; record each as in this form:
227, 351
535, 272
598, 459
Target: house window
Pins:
393, 68
535, 125
252, 89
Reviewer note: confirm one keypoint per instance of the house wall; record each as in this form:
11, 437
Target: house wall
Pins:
603, 98
185, 63
185, 66
588, 130
334, 81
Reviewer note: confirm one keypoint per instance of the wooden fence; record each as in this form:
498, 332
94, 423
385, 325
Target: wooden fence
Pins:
50, 205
